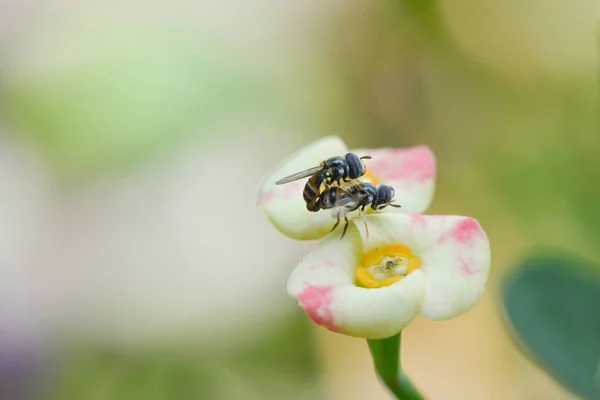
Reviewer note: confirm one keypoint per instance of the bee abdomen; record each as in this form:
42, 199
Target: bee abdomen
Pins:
314, 207
311, 190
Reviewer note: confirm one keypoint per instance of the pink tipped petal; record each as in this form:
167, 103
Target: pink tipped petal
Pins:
457, 267
331, 264
323, 284
454, 251
284, 204
410, 171
316, 301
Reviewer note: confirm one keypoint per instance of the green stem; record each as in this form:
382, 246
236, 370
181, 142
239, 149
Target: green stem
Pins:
386, 356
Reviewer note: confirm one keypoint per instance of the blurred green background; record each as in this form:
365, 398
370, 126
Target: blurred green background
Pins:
133, 135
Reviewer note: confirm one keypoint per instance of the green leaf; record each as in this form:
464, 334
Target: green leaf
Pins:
551, 302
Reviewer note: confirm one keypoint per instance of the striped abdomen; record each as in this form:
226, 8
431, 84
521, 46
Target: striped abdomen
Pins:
312, 190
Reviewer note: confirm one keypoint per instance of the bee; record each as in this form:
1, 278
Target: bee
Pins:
344, 200
332, 197
330, 171
365, 194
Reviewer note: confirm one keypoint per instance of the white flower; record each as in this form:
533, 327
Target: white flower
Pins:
372, 287
410, 171
374, 282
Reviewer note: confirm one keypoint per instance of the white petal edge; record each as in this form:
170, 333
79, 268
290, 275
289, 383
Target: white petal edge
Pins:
323, 284
284, 204
410, 171
455, 254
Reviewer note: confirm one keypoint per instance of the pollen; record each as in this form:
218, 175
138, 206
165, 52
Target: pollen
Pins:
370, 177
386, 266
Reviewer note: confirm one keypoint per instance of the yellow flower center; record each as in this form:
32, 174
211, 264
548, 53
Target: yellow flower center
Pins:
372, 178
386, 266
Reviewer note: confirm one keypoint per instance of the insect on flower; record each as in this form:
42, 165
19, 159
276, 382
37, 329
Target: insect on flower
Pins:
410, 171
333, 170
344, 200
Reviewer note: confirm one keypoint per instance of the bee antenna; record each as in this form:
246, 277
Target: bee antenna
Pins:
395, 205
365, 158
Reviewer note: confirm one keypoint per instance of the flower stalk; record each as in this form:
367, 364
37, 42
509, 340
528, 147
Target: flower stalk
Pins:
386, 357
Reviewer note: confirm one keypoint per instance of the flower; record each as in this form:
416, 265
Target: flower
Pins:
373, 286
410, 171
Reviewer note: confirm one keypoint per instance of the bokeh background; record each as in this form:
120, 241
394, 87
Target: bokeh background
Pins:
134, 263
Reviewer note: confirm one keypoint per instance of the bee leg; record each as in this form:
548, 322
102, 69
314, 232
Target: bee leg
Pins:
388, 204
360, 214
345, 226
336, 224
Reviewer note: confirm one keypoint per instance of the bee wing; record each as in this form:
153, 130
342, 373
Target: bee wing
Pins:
299, 175
345, 206
353, 203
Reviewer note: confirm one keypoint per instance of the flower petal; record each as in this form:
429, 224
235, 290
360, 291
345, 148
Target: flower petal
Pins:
455, 255
284, 204
410, 171
323, 284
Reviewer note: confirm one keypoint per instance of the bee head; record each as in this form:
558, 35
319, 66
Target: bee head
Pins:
356, 167
385, 194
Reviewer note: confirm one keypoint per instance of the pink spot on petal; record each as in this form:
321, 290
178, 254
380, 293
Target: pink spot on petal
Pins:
464, 232
466, 268
293, 189
414, 165
418, 220
419, 164
316, 301
324, 264
266, 196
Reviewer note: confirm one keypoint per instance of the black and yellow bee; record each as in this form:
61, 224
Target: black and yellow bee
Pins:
331, 171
